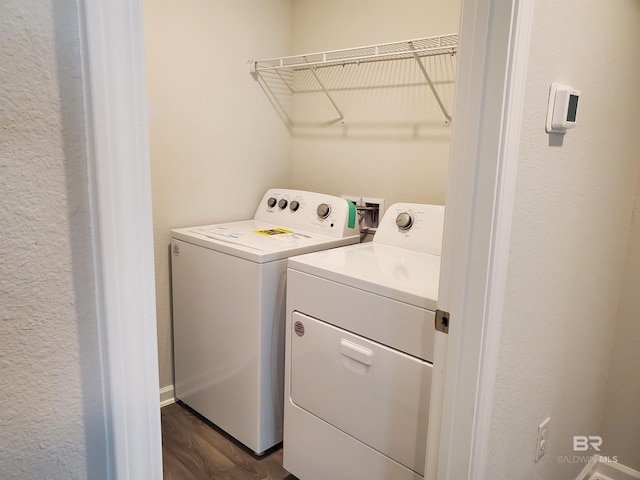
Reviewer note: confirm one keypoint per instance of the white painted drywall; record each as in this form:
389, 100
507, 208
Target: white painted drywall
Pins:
51, 411
567, 259
394, 145
621, 431
216, 142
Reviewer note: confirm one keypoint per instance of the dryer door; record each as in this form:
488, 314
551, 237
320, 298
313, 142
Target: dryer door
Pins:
376, 394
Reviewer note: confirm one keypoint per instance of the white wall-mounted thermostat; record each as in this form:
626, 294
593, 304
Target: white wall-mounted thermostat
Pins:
562, 108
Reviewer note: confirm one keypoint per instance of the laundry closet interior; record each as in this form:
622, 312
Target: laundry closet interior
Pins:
220, 137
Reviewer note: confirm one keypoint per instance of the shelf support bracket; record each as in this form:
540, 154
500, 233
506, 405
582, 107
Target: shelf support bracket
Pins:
313, 71
431, 85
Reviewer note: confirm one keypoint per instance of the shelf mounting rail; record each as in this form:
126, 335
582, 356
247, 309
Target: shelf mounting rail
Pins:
416, 49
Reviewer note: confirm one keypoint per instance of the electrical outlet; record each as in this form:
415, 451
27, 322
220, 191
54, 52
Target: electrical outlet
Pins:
543, 434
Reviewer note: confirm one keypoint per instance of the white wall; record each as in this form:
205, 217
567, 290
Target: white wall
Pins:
571, 222
395, 144
216, 142
51, 410
621, 431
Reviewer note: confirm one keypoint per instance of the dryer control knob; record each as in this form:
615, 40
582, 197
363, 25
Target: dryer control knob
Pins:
294, 205
272, 202
283, 204
323, 210
404, 221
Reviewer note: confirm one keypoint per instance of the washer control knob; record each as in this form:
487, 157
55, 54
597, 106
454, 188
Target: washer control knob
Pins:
282, 204
271, 202
294, 205
404, 221
323, 210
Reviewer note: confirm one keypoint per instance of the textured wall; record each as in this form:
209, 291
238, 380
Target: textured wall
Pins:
567, 258
51, 415
216, 142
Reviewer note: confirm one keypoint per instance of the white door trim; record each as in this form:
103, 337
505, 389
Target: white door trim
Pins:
120, 188
494, 46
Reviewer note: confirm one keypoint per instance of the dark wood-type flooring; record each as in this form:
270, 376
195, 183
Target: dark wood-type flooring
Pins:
193, 449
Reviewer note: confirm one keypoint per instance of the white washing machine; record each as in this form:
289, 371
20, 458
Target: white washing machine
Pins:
228, 291
359, 352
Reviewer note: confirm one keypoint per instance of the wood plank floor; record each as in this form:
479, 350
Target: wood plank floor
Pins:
193, 449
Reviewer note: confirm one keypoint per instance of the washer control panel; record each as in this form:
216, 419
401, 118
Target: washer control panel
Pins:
310, 211
414, 226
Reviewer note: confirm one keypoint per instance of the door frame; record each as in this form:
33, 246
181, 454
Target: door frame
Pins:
494, 45
113, 71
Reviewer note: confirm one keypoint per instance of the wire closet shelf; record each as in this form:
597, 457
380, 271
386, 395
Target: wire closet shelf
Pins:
407, 49
422, 47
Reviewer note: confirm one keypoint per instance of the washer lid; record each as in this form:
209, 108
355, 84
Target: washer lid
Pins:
401, 274
258, 241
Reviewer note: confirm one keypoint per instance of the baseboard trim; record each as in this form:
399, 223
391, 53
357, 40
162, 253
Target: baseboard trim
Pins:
167, 396
597, 469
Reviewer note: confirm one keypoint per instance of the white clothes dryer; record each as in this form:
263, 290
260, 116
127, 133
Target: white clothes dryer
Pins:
228, 293
359, 352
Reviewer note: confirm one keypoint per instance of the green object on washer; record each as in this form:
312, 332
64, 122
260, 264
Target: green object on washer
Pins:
352, 215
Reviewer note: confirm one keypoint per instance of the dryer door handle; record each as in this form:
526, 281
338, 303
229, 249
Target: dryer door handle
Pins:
357, 352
